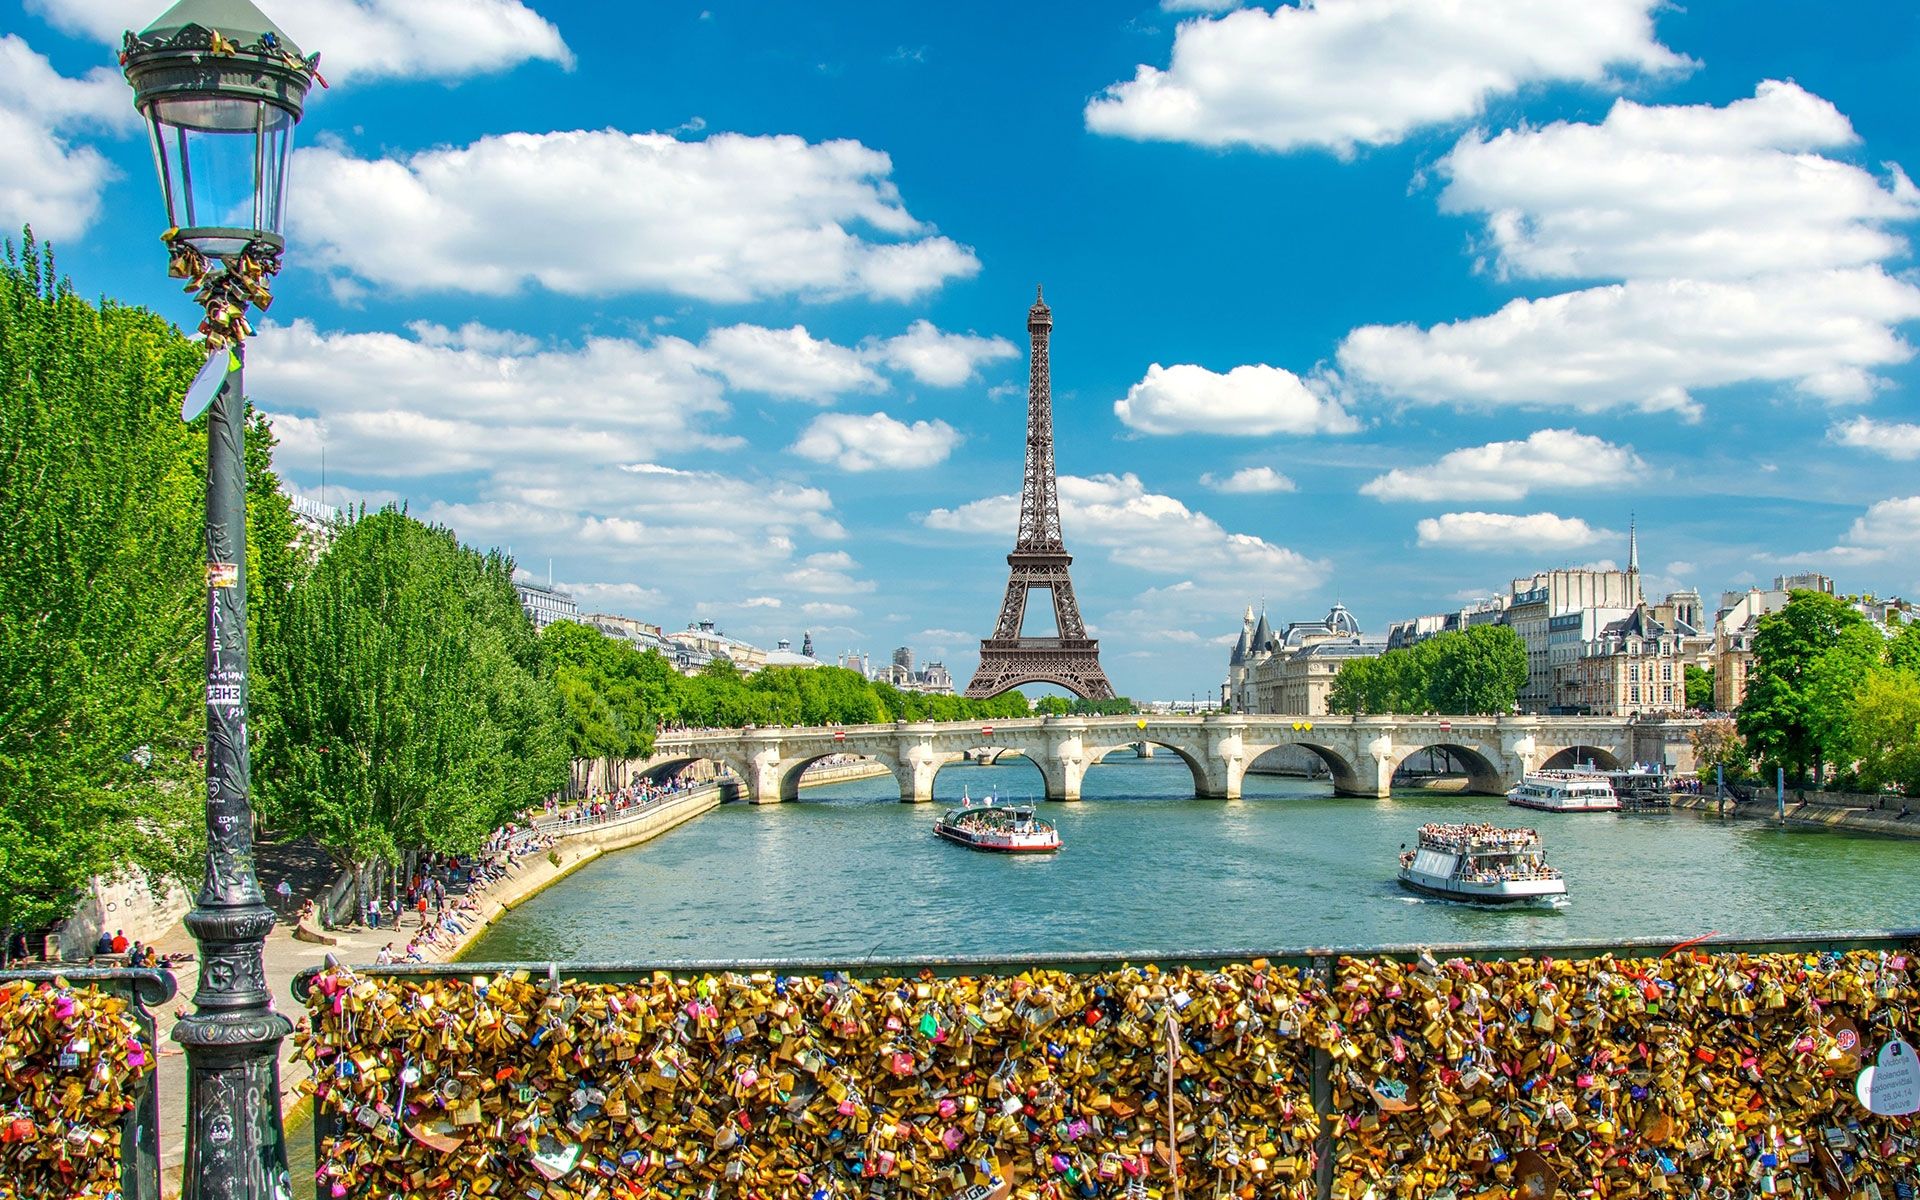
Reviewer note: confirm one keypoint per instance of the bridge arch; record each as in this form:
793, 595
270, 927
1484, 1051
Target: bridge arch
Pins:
1347, 779
1484, 776
660, 768
790, 770
1203, 779
1570, 757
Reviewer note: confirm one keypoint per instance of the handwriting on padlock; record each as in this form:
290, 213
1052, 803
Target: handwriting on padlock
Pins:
1891, 1086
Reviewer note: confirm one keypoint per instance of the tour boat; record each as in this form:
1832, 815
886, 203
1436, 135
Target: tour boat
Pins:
1480, 863
1002, 828
1565, 791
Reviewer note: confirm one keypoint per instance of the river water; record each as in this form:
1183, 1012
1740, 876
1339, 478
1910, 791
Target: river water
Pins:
848, 871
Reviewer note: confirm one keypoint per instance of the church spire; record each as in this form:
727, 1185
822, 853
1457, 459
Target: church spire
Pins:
1633, 544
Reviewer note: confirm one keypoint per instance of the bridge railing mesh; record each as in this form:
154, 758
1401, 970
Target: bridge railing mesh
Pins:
79, 1096
1722, 1068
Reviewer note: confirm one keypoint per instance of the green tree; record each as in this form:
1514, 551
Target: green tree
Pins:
100, 594
1789, 713
1476, 670
414, 707
1717, 744
1699, 687
1884, 729
1903, 651
602, 683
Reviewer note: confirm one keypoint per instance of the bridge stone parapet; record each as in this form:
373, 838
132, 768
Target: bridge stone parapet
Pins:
1361, 753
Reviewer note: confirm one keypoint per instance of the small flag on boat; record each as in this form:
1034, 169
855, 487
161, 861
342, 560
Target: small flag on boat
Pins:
206, 385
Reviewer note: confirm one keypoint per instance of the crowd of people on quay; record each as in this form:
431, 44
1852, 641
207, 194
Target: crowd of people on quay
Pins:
612, 802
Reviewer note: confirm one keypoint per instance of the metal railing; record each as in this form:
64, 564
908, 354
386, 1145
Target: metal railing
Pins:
561, 826
140, 1128
1321, 962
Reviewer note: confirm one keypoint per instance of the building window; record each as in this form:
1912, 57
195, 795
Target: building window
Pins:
1633, 694
1666, 673
1666, 694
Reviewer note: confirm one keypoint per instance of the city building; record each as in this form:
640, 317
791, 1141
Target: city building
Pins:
546, 604
1809, 581
314, 523
783, 655
1293, 670
932, 679
641, 635
1731, 653
1632, 664
701, 642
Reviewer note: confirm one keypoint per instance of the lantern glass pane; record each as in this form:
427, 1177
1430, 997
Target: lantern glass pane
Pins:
223, 165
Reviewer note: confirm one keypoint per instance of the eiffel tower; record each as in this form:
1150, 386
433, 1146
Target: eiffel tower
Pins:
1040, 560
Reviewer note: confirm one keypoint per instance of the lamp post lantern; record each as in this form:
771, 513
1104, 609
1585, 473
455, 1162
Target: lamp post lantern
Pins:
221, 89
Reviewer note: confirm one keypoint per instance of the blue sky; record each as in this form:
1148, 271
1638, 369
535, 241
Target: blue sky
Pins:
720, 307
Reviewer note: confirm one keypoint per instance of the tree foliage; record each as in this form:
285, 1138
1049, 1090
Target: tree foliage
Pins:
1806, 659
413, 705
1061, 706
1699, 687
100, 585
1883, 729
1717, 744
618, 696
1476, 670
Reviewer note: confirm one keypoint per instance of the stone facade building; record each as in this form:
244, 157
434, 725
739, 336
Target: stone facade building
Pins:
1633, 665
1292, 671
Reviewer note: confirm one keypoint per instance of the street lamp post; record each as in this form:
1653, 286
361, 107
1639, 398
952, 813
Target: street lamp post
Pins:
221, 89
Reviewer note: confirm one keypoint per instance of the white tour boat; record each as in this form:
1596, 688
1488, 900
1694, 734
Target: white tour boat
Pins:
1565, 791
1480, 863
1002, 828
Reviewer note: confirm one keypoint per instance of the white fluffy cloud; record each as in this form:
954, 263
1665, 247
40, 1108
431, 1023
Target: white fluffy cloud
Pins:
1533, 533
876, 442
1746, 257
1889, 439
1338, 74
47, 178
787, 362
730, 218
1889, 531
1649, 344
438, 39
649, 528
938, 358
1248, 401
448, 401
1680, 191
1550, 460
1248, 481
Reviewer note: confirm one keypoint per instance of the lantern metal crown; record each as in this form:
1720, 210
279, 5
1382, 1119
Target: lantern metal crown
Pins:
221, 88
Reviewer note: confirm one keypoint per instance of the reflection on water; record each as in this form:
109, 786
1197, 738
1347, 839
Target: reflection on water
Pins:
848, 872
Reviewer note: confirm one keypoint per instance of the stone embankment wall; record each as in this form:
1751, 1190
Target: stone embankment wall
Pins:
1821, 811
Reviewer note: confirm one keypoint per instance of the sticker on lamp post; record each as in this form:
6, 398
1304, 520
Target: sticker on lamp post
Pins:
223, 695
223, 575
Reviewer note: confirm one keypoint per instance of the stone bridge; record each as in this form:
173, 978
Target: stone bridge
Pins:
1361, 753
